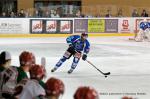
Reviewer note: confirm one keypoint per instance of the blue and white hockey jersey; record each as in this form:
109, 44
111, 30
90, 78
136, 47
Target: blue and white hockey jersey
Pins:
144, 25
78, 44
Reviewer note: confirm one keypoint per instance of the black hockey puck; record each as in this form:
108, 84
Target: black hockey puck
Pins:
105, 76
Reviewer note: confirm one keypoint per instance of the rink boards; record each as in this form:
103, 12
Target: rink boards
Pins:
61, 35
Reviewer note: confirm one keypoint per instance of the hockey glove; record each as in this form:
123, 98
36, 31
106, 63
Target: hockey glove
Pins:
84, 57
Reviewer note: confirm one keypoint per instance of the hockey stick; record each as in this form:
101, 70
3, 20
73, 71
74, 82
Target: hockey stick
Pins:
43, 63
108, 73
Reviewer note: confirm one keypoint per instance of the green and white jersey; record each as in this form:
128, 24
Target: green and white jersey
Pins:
30, 89
10, 77
8, 80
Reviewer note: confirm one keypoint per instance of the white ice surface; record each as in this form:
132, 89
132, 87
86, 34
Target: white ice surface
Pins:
128, 62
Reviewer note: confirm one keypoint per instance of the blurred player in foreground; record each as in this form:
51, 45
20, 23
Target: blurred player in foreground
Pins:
85, 92
54, 88
14, 74
30, 88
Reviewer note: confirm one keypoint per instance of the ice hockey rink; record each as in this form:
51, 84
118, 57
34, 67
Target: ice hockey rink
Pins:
128, 62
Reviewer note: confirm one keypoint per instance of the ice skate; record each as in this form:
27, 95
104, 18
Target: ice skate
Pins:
70, 71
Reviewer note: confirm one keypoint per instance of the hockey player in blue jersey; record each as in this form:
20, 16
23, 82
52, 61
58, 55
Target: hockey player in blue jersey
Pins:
79, 47
144, 32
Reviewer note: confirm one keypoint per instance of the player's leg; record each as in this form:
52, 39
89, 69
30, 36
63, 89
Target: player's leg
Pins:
66, 56
76, 59
139, 37
59, 63
147, 35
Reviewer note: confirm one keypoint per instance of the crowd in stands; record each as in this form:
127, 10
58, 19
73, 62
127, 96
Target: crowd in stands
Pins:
15, 84
57, 13
27, 14
135, 13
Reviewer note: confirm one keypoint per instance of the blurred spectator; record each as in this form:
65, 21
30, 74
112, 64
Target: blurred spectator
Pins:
119, 13
4, 15
60, 11
28, 14
54, 14
135, 13
21, 14
12, 15
85, 92
78, 14
54, 88
108, 14
36, 14
47, 14
40, 12
144, 13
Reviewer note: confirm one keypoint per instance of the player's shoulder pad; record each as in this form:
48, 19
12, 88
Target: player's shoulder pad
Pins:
76, 36
87, 42
73, 37
141, 23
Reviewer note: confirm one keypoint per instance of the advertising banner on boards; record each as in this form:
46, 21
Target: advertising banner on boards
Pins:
37, 26
80, 25
111, 25
14, 26
96, 25
65, 26
51, 26
126, 25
